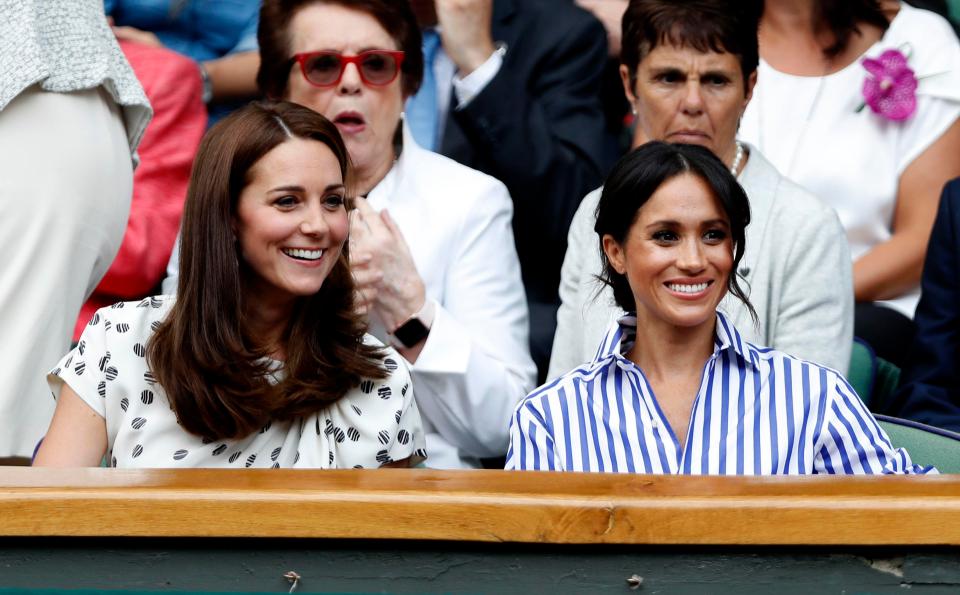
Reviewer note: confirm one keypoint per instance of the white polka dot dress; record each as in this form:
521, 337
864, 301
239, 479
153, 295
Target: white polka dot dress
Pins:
375, 423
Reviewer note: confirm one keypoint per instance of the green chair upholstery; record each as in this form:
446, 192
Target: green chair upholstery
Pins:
874, 378
927, 445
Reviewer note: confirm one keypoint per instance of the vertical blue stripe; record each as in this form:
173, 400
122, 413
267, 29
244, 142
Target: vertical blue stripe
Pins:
772, 397
728, 359
567, 431
579, 401
854, 406
820, 429
741, 397
644, 445
536, 450
590, 404
709, 370
801, 444
548, 427
605, 400
790, 429
618, 397
758, 399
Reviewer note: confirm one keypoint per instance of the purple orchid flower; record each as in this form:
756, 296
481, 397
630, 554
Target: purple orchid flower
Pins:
891, 88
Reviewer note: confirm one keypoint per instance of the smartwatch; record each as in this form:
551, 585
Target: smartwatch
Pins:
416, 328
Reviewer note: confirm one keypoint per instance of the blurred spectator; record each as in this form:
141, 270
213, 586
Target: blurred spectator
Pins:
221, 37
71, 114
796, 265
172, 84
524, 108
930, 390
863, 140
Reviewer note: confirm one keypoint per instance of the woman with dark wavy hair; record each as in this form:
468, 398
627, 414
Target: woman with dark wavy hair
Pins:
261, 359
858, 101
674, 387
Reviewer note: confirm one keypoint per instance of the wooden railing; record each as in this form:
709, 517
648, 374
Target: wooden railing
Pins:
481, 506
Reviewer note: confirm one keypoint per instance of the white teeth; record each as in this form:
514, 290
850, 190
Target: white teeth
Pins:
687, 288
303, 254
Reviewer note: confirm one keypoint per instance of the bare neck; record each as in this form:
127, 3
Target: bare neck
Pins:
266, 321
368, 178
665, 351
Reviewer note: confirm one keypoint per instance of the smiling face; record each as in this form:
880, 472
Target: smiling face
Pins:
678, 254
291, 221
682, 95
367, 116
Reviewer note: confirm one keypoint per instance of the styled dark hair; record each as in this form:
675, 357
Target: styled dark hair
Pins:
636, 177
203, 354
841, 18
273, 35
705, 25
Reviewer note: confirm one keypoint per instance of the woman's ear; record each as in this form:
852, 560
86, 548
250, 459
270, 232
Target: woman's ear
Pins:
627, 80
614, 253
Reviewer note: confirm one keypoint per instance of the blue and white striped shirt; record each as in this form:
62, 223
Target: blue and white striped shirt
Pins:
758, 412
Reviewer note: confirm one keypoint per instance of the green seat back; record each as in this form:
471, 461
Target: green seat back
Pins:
862, 370
927, 445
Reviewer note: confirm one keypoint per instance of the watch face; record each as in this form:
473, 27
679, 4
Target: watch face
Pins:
411, 332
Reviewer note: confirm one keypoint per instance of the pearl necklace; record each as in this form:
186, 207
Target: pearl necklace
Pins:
737, 159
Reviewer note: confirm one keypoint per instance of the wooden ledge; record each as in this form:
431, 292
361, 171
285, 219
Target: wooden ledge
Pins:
481, 506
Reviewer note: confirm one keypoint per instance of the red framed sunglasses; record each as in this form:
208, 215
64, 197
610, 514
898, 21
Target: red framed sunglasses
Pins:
325, 69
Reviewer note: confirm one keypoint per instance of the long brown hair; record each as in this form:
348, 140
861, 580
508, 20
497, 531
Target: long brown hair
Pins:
203, 355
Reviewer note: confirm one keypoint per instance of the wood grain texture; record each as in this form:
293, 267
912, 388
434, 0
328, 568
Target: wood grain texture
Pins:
481, 506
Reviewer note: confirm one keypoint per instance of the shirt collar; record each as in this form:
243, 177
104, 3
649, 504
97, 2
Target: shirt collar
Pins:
622, 334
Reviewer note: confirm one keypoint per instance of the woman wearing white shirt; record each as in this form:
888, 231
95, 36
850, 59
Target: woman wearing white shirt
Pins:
883, 175
438, 275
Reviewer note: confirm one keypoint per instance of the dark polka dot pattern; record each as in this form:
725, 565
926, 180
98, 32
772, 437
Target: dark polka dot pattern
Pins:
115, 368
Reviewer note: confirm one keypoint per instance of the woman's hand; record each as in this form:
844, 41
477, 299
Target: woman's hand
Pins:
386, 278
889, 269
465, 32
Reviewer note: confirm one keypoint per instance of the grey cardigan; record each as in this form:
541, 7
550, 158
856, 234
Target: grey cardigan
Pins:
796, 263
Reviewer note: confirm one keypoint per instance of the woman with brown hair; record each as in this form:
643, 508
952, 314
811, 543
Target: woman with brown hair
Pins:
260, 360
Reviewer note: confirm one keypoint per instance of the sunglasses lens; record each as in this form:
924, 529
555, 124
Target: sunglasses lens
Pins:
323, 69
378, 68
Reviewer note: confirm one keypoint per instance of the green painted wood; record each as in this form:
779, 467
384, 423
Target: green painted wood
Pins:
328, 566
